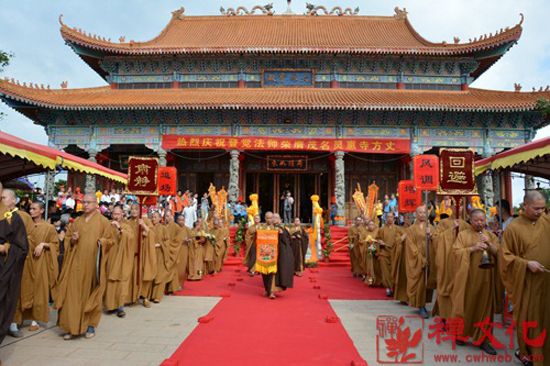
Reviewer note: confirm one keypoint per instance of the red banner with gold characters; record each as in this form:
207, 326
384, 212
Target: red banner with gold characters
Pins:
142, 176
168, 181
409, 197
426, 172
379, 146
457, 172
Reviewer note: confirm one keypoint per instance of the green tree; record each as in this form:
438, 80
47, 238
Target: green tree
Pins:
57, 185
4, 61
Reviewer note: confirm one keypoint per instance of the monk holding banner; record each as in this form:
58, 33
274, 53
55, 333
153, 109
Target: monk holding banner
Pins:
148, 261
267, 238
119, 264
387, 236
473, 295
525, 273
444, 240
82, 281
40, 272
419, 292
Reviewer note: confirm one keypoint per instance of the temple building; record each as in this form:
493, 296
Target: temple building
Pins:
260, 102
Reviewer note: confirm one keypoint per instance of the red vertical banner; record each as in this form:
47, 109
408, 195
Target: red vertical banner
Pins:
167, 181
426, 172
409, 197
457, 172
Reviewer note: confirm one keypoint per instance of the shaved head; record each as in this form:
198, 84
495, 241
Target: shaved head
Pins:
421, 213
534, 204
8, 198
532, 196
117, 214
89, 203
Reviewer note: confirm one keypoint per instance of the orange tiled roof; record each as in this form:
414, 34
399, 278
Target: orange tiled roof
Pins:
101, 98
289, 34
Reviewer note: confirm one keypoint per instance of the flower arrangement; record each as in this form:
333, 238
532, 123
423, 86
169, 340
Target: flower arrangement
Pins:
239, 236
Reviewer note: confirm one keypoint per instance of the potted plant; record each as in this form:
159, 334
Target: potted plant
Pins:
327, 251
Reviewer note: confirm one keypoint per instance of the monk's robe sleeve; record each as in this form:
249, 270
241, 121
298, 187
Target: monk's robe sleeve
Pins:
461, 256
397, 252
124, 259
52, 240
499, 286
149, 256
513, 266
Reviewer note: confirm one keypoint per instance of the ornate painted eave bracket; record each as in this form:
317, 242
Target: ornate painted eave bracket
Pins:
314, 10
241, 10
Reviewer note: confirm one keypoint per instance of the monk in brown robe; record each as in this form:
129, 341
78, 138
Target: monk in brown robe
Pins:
207, 247
359, 246
120, 263
184, 238
82, 281
148, 261
473, 294
8, 198
13, 252
173, 232
352, 243
197, 265
444, 238
221, 244
40, 272
399, 269
525, 273
418, 291
166, 252
299, 241
387, 235
370, 254
250, 240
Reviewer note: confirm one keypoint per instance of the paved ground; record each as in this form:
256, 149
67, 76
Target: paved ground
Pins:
144, 338
359, 320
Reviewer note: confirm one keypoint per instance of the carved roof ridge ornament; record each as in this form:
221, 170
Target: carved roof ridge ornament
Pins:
179, 14
79, 31
400, 14
314, 10
17, 83
499, 32
241, 10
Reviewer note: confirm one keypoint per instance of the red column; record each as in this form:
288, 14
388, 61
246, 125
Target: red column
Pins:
175, 84
334, 84
464, 86
508, 187
400, 85
114, 86
241, 84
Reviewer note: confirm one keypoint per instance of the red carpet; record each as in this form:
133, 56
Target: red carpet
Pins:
298, 328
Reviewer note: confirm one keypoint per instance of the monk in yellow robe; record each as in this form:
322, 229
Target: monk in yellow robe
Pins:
399, 268
148, 261
221, 244
79, 290
184, 238
473, 294
370, 254
418, 291
173, 232
166, 252
40, 271
524, 271
444, 238
250, 240
8, 198
120, 263
353, 233
387, 236
197, 265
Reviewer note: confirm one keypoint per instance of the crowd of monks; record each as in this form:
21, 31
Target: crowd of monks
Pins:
413, 261
107, 264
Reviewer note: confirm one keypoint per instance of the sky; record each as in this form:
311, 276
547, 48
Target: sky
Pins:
29, 30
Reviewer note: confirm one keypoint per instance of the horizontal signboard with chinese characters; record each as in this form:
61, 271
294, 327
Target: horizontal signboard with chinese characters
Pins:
288, 78
380, 146
295, 163
142, 176
457, 175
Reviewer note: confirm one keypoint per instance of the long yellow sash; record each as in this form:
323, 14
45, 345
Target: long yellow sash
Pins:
266, 251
